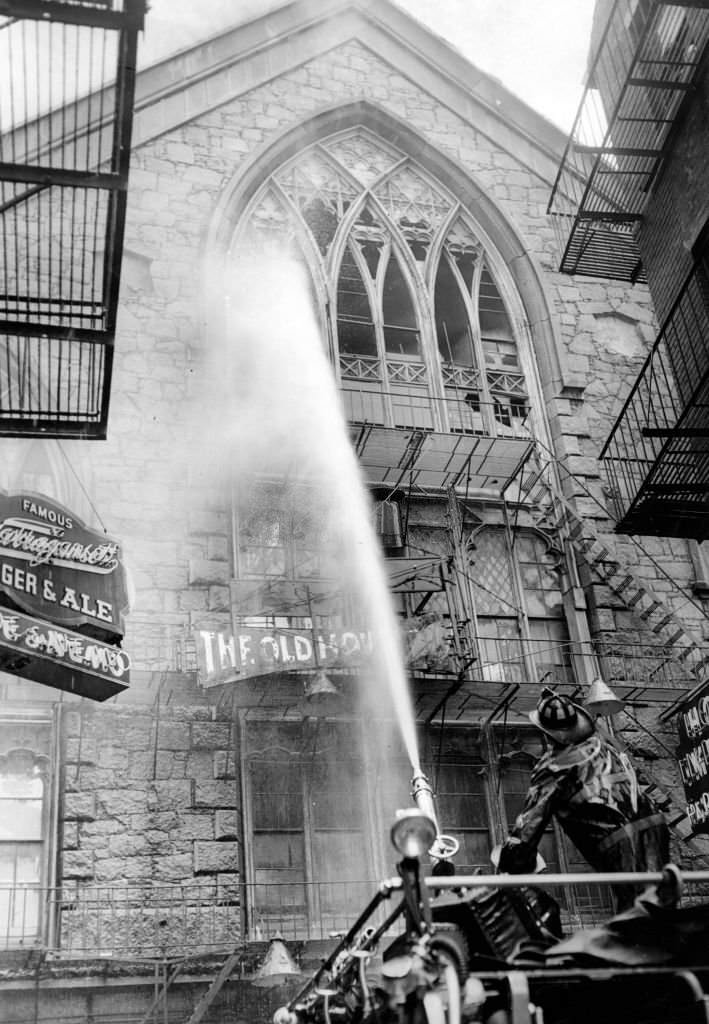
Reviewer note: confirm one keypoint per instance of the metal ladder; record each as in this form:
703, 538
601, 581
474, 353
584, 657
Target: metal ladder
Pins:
553, 510
207, 998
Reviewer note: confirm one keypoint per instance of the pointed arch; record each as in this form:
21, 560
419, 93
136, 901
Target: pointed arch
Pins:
512, 266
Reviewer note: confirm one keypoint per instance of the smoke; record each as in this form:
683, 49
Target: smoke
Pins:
285, 423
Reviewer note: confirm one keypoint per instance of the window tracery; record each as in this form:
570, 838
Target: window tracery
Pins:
422, 332
365, 156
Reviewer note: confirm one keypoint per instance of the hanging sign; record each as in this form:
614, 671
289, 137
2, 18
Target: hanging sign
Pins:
53, 566
225, 657
693, 757
57, 657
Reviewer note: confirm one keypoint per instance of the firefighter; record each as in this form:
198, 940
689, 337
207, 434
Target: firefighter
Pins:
588, 784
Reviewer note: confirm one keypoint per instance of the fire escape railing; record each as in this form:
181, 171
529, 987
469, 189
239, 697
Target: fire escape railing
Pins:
657, 455
67, 77
644, 65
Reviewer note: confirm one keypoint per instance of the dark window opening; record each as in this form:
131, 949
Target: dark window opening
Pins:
401, 336
322, 221
455, 342
371, 252
355, 326
465, 261
494, 322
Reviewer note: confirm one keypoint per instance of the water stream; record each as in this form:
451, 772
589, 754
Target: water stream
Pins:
289, 424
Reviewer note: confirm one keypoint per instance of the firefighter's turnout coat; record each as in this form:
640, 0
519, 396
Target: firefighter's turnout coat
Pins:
592, 790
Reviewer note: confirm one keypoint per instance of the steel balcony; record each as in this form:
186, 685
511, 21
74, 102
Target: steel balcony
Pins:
657, 455
644, 64
67, 77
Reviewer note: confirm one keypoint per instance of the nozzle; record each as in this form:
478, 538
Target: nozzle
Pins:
422, 795
444, 847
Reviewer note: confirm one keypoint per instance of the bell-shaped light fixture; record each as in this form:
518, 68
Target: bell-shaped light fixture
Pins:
601, 700
278, 965
413, 832
320, 685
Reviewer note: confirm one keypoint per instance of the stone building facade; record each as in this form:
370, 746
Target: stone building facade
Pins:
192, 816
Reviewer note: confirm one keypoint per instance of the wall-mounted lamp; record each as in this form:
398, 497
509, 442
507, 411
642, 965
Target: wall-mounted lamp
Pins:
278, 965
601, 700
319, 685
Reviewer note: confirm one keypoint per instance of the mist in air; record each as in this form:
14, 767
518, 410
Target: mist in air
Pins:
282, 420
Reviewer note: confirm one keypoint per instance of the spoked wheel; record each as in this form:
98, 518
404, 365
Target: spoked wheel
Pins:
442, 1005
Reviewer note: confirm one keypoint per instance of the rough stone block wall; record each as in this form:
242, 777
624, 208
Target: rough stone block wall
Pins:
150, 818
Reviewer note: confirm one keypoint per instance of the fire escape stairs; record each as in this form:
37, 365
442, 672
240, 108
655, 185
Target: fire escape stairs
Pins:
552, 510
205, 1001
157, 1009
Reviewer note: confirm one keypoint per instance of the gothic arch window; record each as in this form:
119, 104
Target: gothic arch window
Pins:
412, 296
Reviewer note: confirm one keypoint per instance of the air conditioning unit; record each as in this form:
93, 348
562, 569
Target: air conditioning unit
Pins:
387, 523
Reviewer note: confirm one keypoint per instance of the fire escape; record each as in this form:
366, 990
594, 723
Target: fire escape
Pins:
67, 76
645, 65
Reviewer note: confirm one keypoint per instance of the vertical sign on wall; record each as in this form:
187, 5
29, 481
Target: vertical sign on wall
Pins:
693, 756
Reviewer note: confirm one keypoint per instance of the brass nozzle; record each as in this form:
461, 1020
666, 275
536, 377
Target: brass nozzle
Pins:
422, 795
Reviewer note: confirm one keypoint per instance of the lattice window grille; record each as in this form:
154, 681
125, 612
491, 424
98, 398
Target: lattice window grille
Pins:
461, 376
492, 575
406, 372
508, 383
360, 368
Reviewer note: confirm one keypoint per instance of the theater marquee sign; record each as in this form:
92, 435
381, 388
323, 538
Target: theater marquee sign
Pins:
250, 652
66, 582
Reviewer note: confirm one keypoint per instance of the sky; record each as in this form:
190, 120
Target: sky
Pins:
537, 48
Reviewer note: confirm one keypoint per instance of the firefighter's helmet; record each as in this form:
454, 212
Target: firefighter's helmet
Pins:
561, 719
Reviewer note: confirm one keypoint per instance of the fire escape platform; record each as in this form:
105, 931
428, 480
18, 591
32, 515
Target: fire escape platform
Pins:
67, 79
396, 457
479, 701
644, 65
657, 455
